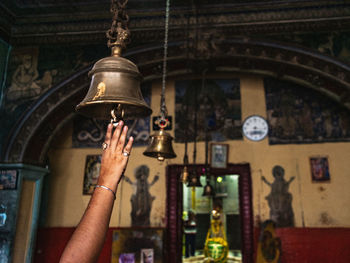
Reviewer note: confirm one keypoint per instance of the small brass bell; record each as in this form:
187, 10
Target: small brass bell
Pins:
115, 84
208, 190
184, 175
160, 146
194, 180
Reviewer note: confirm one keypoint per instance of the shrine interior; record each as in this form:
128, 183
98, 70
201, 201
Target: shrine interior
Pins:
239, 112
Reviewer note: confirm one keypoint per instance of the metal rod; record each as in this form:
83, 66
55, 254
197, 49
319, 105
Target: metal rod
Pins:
163, 109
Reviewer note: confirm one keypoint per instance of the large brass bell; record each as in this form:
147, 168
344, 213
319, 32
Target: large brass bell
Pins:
160, 146
115, 84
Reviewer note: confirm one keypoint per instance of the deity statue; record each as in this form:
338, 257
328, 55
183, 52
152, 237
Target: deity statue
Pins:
216, 246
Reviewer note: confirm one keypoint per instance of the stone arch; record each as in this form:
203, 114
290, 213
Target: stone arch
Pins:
33, 133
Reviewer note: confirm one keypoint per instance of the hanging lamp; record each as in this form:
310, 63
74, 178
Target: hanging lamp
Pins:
160, 143
115, 81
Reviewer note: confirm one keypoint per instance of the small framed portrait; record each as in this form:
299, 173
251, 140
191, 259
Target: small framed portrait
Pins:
91, 174
218, 155
319, 169
8, 179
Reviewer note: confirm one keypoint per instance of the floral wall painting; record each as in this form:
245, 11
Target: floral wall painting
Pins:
218, 107
319, 169
92, 172
300, 115
141, 199
279, 199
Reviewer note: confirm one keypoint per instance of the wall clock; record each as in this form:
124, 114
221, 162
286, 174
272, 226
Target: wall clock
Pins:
255, 128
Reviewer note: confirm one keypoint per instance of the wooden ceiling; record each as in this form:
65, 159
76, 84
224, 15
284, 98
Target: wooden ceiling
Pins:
31, 22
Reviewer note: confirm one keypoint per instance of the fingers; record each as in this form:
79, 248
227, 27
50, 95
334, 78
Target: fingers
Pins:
109, 134
122, 139
116, 135
128, 147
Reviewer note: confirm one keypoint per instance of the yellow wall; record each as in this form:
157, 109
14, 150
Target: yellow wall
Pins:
317, 204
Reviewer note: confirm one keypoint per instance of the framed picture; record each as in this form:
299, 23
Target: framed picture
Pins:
218, 155
8, 179
319, 169
91, 174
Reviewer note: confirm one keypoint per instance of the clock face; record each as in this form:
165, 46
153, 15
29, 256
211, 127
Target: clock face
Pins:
255, 128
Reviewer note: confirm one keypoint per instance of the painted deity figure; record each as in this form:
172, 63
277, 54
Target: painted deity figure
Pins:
141, 200
279, 199
23, 85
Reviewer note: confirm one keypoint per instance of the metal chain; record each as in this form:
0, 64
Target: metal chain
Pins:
119, 32
163, 109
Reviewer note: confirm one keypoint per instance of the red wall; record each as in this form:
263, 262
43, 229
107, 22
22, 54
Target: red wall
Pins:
51, 242
313, 245
299, 245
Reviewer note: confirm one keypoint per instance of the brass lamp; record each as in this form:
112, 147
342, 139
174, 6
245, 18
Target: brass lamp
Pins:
160, 145
115, 84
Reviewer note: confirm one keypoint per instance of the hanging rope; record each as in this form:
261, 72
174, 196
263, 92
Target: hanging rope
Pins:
163, 109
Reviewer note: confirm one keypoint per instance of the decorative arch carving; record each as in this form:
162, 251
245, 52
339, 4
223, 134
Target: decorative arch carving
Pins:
31, 137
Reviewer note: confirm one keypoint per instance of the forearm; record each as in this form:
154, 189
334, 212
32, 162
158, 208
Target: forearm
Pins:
88, 238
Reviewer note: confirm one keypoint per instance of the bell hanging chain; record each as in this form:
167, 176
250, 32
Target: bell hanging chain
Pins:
163, 109
118, 35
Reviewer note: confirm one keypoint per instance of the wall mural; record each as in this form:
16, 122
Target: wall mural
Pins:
299, 115
33, 71
336, 43
279, 199
219, 108
88, 132
141, 200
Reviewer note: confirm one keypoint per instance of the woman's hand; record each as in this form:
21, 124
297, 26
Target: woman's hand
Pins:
115, 155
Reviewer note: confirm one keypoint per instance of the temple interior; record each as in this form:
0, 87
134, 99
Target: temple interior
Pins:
239, 112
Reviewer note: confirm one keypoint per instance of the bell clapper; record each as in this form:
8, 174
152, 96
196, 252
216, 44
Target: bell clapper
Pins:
117, 115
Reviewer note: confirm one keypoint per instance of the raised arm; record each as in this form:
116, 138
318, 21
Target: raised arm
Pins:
88, 238
265, 180
155, 179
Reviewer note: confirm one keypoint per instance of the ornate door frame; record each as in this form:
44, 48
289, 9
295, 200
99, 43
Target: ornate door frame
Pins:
173, 237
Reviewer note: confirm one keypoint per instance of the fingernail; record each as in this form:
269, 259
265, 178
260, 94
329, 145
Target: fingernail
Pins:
115, 124
131, 138
121, 123
110, 125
